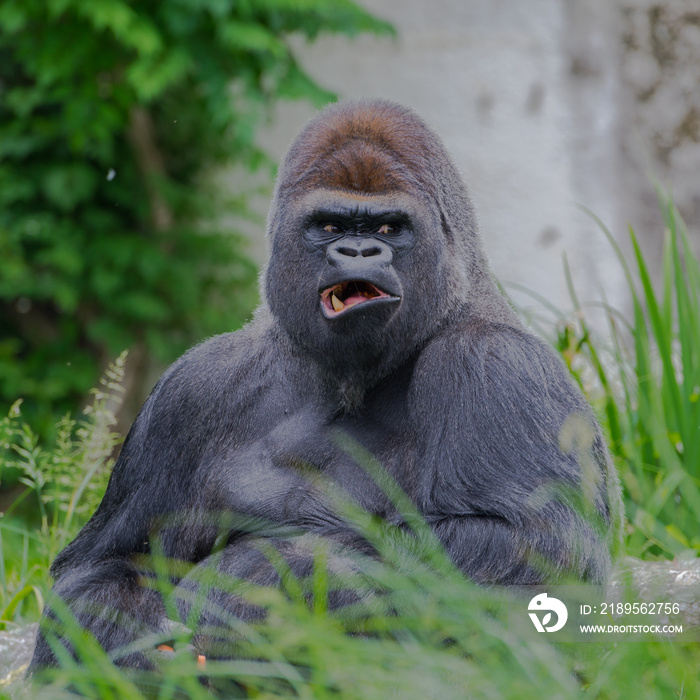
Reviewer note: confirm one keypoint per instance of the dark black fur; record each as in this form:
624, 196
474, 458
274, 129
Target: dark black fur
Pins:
475, 418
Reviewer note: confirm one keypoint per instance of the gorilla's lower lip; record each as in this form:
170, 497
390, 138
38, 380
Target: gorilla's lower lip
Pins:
341, 297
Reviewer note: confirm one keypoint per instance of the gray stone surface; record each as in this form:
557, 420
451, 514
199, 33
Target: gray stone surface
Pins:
660, 109
16, 647
675, 581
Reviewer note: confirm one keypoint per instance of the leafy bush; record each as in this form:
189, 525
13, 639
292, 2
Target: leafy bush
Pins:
64, 485
112, 115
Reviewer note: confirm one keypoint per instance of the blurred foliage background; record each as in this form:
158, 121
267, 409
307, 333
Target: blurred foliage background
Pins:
113, 117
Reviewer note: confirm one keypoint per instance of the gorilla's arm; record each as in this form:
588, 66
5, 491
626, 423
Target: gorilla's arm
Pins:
201, 404
207, 404
95, 575
152, 478
514, 477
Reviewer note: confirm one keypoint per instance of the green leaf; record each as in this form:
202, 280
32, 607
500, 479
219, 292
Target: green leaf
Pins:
68, 185
13, 17
151, 75
131, 28
246, 36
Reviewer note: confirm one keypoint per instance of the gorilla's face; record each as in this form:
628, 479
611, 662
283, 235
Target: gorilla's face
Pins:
353, 278
359, 242
373, 242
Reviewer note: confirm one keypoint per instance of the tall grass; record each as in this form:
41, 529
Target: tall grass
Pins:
429, 633
433, 635
649, 372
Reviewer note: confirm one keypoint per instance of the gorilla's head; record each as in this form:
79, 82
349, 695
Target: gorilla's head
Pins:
374, 242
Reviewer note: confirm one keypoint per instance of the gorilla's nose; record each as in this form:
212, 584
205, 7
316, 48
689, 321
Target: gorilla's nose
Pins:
355, 251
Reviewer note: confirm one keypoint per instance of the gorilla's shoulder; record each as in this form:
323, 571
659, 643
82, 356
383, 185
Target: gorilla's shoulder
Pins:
479, 337
487, 372
228, 350
223, 363
494, 352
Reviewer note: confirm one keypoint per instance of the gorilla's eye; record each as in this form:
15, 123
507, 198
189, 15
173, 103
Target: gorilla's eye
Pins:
386, 229
331, 228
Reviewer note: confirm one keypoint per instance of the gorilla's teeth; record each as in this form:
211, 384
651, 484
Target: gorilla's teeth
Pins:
337, 304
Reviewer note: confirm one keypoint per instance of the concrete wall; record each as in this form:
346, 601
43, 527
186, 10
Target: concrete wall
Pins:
545, 105
660, 110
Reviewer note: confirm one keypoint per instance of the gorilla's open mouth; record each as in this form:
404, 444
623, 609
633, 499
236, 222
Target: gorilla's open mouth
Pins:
344, 295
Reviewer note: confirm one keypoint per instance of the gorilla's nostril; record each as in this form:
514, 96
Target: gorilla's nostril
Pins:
350, 252
368, 252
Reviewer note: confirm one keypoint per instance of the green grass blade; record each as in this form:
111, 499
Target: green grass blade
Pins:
670, 394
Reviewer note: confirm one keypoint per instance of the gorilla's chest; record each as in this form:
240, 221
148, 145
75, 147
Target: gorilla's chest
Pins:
355, 451
367, 448
290, 447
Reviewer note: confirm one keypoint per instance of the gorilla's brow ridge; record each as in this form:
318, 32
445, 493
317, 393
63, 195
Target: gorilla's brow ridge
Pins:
356, 215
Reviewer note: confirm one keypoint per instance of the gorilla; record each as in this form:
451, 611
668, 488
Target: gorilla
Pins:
381, 322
